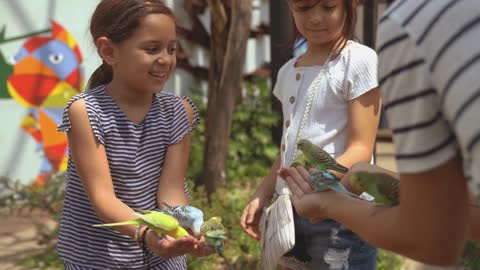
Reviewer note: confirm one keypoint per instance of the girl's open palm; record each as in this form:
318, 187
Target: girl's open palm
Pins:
250, 219
167, 247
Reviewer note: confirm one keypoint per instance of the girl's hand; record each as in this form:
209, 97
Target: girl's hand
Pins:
250, 219
298, 174
307, 203
167, 247
202, 249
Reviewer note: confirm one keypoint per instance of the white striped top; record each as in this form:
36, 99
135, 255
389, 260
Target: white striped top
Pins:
135, 154
429, 72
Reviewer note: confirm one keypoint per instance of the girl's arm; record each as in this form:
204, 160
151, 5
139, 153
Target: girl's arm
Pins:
252, 212
91, 163
267, 188
171, 186
363, 119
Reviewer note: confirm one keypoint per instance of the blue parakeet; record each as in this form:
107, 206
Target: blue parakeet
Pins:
188, 216
325, 180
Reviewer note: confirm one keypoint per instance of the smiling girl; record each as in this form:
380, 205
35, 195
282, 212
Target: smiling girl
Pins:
128, 144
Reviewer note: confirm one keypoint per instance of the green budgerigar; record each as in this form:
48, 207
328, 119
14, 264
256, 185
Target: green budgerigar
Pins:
383, 187
319, 157
214, 233
159, 222
301, 160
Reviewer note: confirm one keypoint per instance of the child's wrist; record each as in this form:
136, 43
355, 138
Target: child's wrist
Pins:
139, 230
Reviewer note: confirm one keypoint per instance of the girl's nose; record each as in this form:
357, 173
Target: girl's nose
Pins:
316, 15
163, 58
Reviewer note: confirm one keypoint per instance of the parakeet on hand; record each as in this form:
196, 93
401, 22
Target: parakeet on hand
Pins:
188, 216
214, 233
159, 222
325, 180
383, 187
302, 161
319, 158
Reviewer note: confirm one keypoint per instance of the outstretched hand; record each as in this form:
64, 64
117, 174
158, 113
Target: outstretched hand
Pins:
202, 249
250, 220
307, 202
168, 247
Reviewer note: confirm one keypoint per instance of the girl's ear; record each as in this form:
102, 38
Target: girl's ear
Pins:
106, 49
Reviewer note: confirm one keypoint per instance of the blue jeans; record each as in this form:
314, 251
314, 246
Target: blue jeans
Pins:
330, 245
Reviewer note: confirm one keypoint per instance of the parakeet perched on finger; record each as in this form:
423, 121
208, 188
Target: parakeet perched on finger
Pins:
383, 187
159, 222
325, 180
188, 216
319, 158
214, 233
302, 161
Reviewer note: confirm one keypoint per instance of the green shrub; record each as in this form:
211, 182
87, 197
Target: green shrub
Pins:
471, 255
389, 261
251, 151
241, 251
49, 200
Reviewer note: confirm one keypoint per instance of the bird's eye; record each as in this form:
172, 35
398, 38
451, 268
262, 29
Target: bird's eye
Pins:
55, 58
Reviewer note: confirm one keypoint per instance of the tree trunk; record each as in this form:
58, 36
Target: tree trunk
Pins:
227, 56
281, 50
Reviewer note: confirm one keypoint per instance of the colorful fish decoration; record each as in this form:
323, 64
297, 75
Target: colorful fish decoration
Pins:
46, 74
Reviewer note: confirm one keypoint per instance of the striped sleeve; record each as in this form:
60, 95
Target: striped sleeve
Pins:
455, 66
181, 124
92, 116
421, 133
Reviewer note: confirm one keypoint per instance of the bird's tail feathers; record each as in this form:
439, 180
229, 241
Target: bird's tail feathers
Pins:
129, 222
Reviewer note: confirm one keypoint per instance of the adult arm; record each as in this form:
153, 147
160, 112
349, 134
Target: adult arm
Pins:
430, 224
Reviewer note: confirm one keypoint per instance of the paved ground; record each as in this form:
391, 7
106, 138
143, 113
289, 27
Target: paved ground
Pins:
18, 238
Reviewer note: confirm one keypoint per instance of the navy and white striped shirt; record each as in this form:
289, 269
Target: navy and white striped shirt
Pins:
135, 154
429, 72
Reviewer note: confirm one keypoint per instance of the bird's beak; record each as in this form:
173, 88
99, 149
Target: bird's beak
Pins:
196, 228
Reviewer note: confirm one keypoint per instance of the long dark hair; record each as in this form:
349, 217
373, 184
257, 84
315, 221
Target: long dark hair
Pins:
117, 20
348, 31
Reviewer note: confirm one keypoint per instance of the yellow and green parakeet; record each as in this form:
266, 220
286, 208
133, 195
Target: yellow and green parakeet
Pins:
159, 222
214, 233
301, 160
383, 187
319, 158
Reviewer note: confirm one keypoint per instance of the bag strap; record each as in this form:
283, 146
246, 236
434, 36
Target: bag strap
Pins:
282, 186
306, 112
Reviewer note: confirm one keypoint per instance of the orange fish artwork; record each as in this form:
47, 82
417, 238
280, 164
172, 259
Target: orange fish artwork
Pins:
46, 74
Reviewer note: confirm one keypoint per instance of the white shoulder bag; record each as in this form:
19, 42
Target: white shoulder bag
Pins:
276, 224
